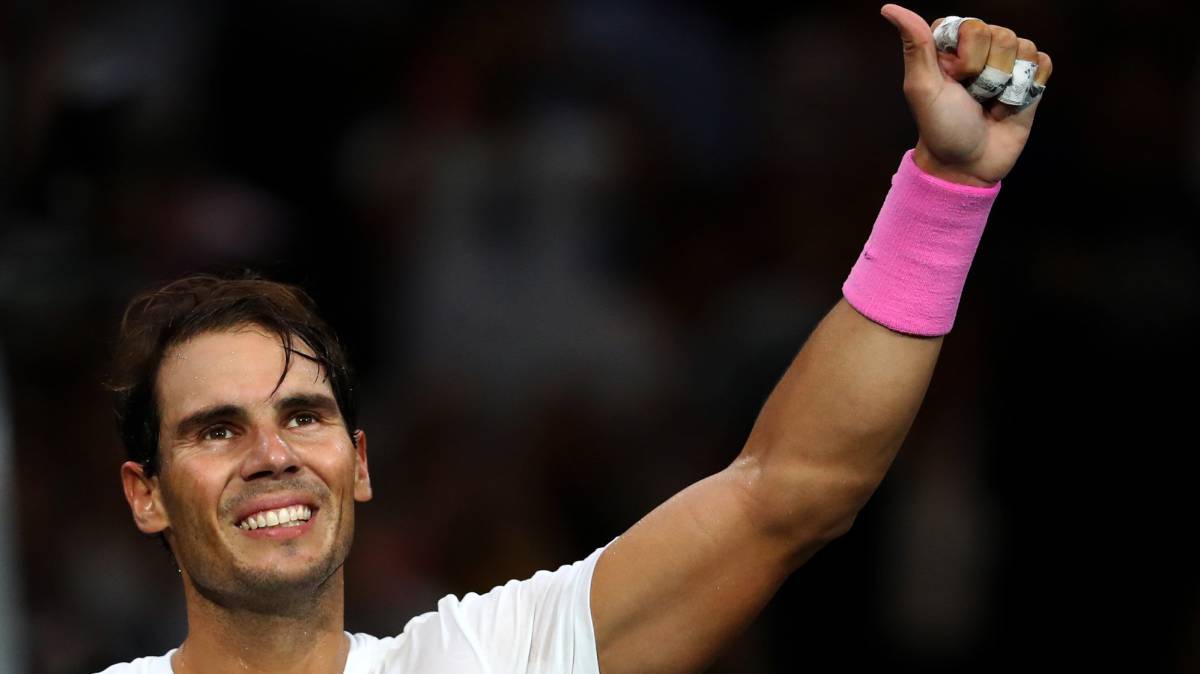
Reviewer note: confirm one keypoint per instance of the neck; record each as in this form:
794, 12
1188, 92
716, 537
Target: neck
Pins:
306, 637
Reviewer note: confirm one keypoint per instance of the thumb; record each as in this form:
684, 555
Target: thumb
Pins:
920, 55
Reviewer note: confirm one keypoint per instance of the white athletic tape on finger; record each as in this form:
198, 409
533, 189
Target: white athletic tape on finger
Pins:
1035, 92
945, 38
989, 84
1017, 92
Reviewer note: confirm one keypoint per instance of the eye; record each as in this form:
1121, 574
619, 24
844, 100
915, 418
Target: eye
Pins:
217, 433
302, 419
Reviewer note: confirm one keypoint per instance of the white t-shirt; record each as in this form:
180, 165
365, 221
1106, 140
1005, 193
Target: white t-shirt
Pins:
542, 625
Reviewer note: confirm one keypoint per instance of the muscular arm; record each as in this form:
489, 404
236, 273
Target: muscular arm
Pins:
687, 578
681, 583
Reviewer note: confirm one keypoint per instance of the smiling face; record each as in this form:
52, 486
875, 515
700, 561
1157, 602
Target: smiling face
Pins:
259, 478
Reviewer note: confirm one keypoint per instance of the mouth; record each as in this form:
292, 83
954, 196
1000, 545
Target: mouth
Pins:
287, 516
283, 523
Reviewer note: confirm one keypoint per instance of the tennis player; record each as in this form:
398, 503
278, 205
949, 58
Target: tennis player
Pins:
237, 408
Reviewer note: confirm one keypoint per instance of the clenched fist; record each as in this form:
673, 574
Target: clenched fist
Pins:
961, 139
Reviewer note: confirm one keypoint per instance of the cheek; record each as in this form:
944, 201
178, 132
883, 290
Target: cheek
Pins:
337, 472
194, 491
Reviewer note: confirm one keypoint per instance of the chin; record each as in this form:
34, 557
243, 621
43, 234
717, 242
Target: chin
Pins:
283, 577
291, 574
271, 589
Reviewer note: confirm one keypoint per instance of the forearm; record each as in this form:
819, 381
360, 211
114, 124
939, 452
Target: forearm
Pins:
690, 575
832, 426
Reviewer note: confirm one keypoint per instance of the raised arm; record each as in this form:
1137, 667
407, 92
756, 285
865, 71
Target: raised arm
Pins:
686, 579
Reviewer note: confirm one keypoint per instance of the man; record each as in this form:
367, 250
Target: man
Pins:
238, 411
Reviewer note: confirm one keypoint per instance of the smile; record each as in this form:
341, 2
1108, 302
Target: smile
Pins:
291, 516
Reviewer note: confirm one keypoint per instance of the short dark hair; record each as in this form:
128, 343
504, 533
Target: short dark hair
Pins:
171, 314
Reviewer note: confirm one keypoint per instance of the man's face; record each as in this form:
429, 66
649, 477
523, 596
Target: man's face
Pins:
237, 453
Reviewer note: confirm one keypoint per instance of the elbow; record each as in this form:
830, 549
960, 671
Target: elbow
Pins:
807, 505
840, 527
846, 500
832, 520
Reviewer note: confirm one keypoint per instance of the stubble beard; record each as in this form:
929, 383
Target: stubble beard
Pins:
268, 591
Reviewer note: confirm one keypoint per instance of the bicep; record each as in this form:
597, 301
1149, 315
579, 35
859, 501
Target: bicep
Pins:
671, 592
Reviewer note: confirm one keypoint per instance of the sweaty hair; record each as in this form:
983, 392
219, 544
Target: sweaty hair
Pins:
167, 316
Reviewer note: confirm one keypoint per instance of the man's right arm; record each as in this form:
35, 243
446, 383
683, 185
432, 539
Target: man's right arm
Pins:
676, 588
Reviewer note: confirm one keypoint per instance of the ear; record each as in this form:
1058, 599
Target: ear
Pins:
145, 498
362, 478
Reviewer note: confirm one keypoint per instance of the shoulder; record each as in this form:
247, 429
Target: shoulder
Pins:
541, 624
158, 664
566, 587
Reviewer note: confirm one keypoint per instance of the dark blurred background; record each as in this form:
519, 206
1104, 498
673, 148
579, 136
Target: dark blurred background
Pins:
571, 246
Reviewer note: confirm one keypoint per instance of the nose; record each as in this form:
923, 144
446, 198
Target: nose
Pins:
269, 456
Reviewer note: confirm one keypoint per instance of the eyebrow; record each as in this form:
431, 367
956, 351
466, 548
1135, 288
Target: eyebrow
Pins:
317, 402
209, 415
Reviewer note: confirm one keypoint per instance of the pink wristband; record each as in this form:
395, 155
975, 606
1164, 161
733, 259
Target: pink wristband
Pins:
911, 273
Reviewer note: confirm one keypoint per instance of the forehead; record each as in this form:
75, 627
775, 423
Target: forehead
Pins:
240, 366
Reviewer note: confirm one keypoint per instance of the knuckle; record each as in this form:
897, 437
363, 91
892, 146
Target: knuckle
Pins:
1045, 65
974, 30
969, 70
1026, 47
1003, 37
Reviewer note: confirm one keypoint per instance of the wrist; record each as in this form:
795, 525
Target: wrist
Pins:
932, 166
911, 272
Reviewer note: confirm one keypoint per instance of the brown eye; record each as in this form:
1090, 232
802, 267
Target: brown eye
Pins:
218, 433
302, 419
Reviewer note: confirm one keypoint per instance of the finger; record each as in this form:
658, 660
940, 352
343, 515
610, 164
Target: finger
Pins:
945, 33
1002, 50
1023, 113
1024, 70
921, 70
974, 44
946, 59
998, 68
1045, 67
1026, 50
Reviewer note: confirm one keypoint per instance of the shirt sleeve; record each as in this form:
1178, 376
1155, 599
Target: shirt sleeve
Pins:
542, 625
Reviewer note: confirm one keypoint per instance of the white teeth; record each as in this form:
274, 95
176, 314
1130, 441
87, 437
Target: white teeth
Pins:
289, 516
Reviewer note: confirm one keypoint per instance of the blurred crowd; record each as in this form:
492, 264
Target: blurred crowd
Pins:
571, 246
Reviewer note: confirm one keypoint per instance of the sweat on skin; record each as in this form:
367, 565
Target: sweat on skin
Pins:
235, 442
668, 594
